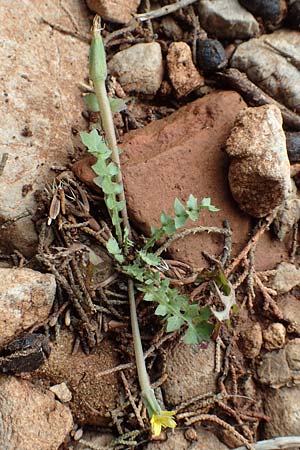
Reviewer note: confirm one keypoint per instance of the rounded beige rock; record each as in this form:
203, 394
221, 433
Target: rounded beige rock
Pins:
274, 336
183, 74
259, 172
251, 341
138, 68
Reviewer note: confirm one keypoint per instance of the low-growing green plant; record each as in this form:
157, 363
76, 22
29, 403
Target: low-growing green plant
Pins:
143, 268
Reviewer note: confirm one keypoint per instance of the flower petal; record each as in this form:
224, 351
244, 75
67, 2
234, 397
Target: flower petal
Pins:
162, 419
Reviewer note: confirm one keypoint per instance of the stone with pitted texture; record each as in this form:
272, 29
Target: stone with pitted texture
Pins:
184, 76
280, 367
259, 172
26, 298
200, 378
30, 417
283, 408
274, 336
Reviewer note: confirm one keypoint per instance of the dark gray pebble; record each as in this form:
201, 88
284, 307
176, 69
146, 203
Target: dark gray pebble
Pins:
210, 55
271, 11
293, 146
293, 15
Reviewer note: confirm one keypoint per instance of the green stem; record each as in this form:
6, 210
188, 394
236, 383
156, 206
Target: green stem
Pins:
147, 391
98, 73
138, 349
151, 241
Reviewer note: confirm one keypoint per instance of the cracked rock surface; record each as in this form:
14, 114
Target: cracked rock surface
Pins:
26, 298
40, 71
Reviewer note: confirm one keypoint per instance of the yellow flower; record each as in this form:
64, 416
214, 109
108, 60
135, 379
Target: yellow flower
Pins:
163, 419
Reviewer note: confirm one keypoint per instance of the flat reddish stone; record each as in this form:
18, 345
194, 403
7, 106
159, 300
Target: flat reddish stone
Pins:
182, 155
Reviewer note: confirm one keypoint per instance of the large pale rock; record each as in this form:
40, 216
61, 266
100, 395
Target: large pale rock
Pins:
139, 68
79, 371
31, 418
200, 378
273, 72
26, 298
259, 173
118, 11
205, 440
227, 20
40, 69
283, 407
183, 74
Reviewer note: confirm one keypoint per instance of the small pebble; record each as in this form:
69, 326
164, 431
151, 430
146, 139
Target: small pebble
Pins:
138, 68
251, 341
259, 172
78, 434
191, 435
116, 11
271, 11
274, 336
62, 392
293, 15
293, 146
68, 318
184, 76
210, 55
227, 20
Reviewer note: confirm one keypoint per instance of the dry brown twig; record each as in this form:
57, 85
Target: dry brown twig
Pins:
251, 243
160, 12
221, 423
118, 33
269, 301
132, 400
195, 230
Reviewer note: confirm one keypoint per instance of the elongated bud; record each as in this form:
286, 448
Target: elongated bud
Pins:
98, 69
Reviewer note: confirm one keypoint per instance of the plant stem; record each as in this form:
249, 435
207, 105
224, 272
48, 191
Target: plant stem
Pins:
138, 349
98, 76
147, 391
98, 73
